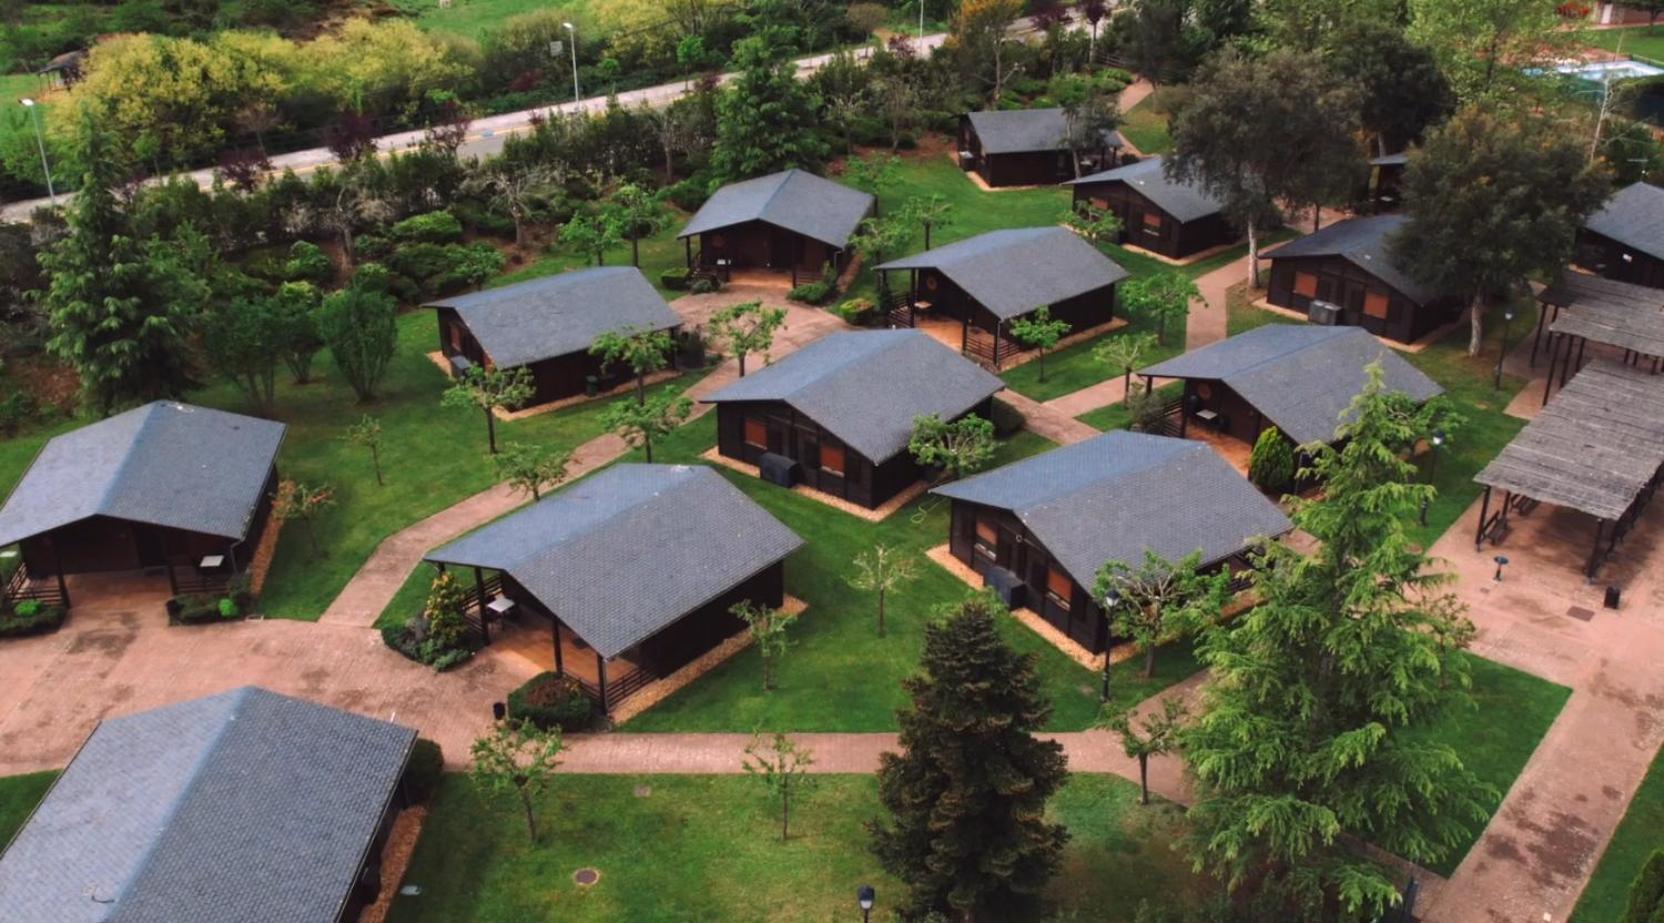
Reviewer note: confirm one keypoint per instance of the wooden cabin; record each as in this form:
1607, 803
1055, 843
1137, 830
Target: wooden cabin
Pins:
1157, 214
840, 411
967, 293
1027, 147
244, 805
1297, 378
1625, 239
1349, 264
166, 485
1039, 530
548, 325
635, 568
791, 222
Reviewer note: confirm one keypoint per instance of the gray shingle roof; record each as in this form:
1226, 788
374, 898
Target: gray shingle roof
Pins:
1363, 241
556, 315
1184, 201
1014, 271
801, 202
1111, 497
163, 464
1302, 378
865, 387
1019, 131
246, 805
1634, 217
622, 554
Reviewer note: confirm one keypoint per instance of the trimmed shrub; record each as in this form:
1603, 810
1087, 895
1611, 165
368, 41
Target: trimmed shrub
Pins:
705, 285
483, 220
688, 194
676, 279
440, 227
857, 311
1271, 464
1646, 895
427, 765
308, 263
30, 617
16, 409
810, 292
550, 700
372, 247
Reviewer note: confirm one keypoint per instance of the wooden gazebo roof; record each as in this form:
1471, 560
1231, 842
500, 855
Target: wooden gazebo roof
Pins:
1609, 312
1594, 448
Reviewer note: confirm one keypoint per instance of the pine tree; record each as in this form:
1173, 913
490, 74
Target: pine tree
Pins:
967, 795
1305, 744
766, 121
117, 307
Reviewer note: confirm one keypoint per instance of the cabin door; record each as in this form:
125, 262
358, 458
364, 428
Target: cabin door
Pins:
1352, 300
152, 546
808, 457
782, 252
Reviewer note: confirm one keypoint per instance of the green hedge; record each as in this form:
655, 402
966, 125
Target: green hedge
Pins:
811, 292
31, 617
550, 700
676, 279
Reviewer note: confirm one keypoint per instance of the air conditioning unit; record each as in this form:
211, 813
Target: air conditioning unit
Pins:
1006, 586
1326, 313
460, 365
777, 469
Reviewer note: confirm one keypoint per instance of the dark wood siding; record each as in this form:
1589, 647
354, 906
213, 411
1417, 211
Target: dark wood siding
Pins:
679, 643
759, 245
1017, 550
1026, 168
1600, 254
1173, 238
789, 433
1237, 417
553, 379
1344, 283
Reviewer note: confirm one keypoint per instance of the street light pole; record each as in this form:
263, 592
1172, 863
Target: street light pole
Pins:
573, 35
1111, 600
40, 141
1496, 377
921, 24
865, 898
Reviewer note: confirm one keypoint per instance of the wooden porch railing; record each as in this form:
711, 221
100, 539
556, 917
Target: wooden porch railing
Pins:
474, 612
20, 587
617, 690
1171, 421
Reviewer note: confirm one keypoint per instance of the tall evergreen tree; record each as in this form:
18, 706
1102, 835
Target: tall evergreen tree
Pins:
766, 121
119, 309
1306, 741
967, 796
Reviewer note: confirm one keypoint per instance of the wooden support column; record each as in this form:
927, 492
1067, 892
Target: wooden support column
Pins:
689, 242
601, 674
560, 667
1594, 553
1484, 513
485, 614
1553, 360
1542, 317
58, 565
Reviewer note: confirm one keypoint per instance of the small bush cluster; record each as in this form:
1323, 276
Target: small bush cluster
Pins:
30, 617
439, 636
206, 608
677, 280
440, 227
550, 700
422, 774
705, 285
308, 263
811, 292
857, 311
1271, 464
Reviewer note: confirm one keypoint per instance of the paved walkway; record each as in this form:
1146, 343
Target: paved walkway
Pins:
1047, 421
375, 584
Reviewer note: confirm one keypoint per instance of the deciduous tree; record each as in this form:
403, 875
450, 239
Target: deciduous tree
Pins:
531, 469
643, 352
1486, 47
516, 188
1125, 351
1492, 200
965, 823
639, 424
592, 235
1159, 601
1039, 330
1164, 297
747, 328
516, 756
1306, 741
295, 501
1156, 735
360, 326
980, 34
634, 214
488, 390
783, 765
767, 628
960, 447
1400, 87
880, 571
367, 433
244, 342
765, 119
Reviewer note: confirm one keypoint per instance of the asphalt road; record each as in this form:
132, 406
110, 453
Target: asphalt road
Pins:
485, 136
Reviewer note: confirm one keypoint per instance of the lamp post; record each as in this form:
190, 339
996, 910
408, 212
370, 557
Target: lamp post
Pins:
1496, 377
1434, 441
921, 25
1501, 562
1111, 600
865, 896
572, 33
40, 141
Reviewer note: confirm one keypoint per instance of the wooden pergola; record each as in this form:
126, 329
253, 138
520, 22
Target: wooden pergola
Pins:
1598, 448
1579, 309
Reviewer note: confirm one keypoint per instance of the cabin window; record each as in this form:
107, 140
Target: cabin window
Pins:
756, 434
1059, 587
1152, 222
832, 459
987, 537
456, 337
1375, 304
1305, 283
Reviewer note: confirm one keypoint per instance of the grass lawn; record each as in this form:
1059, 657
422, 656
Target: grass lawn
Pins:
1146, 128
707, 848
1639, 41
1640, 833
473, 18
18, 797
1071, 369
433, 457
1495, 739
660, 252
1115, 416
